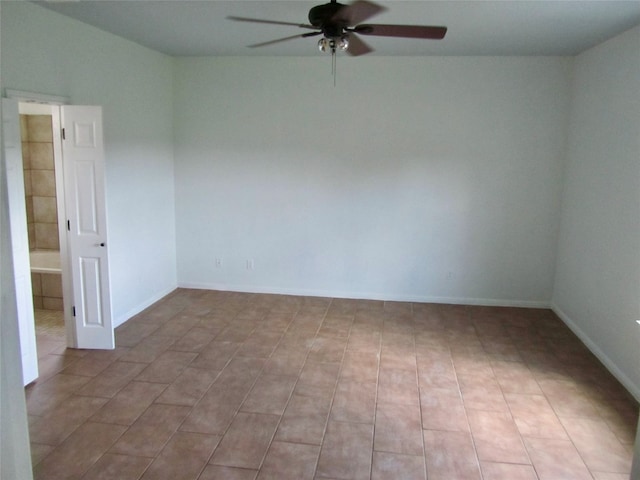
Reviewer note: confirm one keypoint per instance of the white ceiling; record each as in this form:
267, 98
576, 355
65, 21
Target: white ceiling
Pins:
476, 27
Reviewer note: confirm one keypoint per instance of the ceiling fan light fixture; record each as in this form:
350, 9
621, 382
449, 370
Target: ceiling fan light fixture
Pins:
323, 44
343, 44
332, 44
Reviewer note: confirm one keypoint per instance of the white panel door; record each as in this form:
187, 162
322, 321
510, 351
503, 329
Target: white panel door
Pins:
19, 238
83, 166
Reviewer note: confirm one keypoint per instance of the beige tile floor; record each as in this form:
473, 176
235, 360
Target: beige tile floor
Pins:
212, 385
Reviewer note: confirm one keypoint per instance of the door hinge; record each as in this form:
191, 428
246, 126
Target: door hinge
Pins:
63, 135
74, 310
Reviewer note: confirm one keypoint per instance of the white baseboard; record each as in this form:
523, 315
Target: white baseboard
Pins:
120, 319
490, 302
603, 357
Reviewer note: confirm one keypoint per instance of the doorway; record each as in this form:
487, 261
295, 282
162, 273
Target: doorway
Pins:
80, 199
43, 193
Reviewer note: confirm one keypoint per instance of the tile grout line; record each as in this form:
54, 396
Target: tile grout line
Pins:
375, 403
509, 409
241, 401
324, 316
191, 407
415, 356
253, 384
335, 387
471, 436
145, 410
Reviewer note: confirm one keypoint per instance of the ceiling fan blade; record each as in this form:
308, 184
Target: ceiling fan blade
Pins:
403, 31
270, 22
271, 42
357, 46
357, 12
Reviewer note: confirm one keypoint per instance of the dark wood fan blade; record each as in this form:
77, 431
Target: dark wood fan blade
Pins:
402, 31
357, 46
278, 40
357, 12
270, 22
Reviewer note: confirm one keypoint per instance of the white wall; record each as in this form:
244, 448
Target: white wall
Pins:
413, 179
48, 53
15, 450
15, 454
597, 287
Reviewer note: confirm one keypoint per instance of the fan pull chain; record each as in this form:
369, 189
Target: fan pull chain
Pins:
334, 65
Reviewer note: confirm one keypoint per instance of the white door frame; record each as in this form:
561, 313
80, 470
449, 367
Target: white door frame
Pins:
31, 97
67, 281
54, 102
13, 172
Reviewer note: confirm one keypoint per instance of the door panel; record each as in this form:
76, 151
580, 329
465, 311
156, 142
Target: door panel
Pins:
83, 160
90, 281
87, 211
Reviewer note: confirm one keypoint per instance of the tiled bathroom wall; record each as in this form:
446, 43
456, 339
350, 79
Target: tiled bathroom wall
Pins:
47, 291
40, 182
42, 210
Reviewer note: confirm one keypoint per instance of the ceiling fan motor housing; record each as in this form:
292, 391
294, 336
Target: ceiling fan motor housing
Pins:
322, 16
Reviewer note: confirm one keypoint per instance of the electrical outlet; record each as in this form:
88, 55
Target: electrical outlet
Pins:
218, 263
250, 264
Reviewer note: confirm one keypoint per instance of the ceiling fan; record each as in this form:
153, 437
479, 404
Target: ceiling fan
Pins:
340, 26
